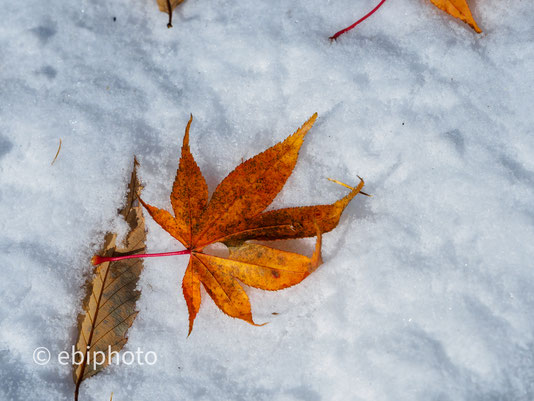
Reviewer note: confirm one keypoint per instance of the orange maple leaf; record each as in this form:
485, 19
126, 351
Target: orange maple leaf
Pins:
234, 214
458, 9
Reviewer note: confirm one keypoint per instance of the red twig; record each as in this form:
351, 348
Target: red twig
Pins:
96, 260
335, 36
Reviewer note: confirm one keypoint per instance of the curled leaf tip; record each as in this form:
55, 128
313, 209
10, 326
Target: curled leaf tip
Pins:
186, 135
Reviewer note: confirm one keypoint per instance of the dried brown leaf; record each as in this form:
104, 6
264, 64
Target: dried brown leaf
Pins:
109, 305
167, 6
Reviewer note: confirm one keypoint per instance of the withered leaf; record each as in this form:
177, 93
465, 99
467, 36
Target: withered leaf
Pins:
234, 214
109, 304
167, 6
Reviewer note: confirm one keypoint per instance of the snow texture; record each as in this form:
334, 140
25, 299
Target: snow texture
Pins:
427, 290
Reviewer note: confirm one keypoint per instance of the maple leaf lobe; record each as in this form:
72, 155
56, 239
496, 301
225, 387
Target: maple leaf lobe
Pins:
191, 291
250, 188
189, 196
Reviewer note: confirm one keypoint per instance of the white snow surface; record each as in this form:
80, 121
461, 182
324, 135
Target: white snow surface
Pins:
427, 288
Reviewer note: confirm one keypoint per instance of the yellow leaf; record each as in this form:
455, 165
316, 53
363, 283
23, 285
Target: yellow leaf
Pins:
458, 9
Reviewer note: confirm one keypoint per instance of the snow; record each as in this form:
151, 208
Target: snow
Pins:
427, 289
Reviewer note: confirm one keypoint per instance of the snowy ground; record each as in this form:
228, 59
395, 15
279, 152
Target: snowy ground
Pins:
427, 291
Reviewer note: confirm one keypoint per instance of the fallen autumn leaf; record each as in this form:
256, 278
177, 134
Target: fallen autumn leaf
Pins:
235, 214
